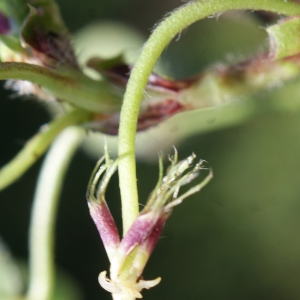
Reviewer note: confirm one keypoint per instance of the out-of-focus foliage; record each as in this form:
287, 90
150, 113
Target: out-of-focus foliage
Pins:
10, 275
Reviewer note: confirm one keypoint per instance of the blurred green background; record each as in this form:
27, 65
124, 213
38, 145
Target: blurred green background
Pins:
239, 237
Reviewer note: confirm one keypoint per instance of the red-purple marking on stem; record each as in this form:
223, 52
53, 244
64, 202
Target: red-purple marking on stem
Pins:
105, 224
154, 114
158, 82
4, 25
151, 116
120, 73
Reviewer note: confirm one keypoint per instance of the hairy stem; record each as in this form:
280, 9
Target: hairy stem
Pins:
160, 38
72, 87
37, 145
41, 262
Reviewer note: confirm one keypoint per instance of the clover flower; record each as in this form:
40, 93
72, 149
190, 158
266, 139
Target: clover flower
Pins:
128, 256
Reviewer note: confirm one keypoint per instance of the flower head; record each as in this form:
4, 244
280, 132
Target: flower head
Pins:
128, 256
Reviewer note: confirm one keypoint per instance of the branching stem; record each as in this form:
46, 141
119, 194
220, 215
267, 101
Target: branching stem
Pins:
160, 38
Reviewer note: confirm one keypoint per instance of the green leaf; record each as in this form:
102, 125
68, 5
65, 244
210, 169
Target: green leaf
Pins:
46, 35
18, 9
284, 38
40, 28
15, 10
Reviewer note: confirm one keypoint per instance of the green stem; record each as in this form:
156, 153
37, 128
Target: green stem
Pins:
41, 244
37, 145
72, 87
160, 38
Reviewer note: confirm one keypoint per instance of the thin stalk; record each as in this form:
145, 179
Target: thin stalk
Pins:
172, 25
41, 232
72, 87
37, 145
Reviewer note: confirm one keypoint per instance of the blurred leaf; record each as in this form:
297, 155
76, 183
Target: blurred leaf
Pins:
211, 41
45, 33
10, 277
108, 40
282, 38
66, 288
40, 28
4, 24
19, 9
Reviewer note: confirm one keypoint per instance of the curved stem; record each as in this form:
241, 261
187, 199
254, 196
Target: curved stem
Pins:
160, 38
37, 145
72, 87
41, 262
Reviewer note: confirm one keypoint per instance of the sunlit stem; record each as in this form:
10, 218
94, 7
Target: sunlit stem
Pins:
41, 232
160, 38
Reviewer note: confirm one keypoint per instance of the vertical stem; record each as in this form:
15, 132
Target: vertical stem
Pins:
160, 38
41, 231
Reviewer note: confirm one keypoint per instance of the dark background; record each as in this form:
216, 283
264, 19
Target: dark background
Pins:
239, 237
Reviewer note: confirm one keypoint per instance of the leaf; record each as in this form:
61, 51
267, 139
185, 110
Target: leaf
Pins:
38, 26
18, 9
15, 10
284, 38
46, 35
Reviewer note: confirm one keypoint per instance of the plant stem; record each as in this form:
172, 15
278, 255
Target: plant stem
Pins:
72, 87
37, 145
172, 25
41, 233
